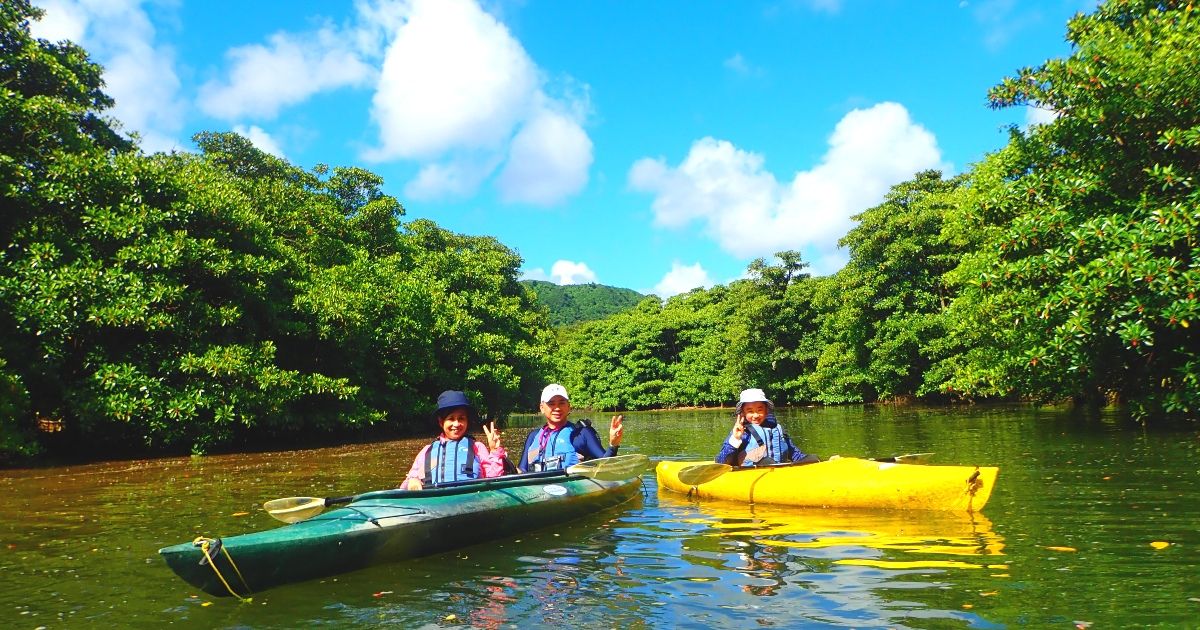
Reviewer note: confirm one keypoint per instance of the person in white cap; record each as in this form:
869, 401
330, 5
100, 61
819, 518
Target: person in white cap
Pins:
560, 443
757, 438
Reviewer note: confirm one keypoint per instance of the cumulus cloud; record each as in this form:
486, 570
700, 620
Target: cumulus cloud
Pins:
563, 272
549, 160
260, 139
681, 279
453, 77
749, 213
139, 74
453, 92
457, 90
287, 70
456, 179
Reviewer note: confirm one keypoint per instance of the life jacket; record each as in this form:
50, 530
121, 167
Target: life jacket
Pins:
559, 452
768, 434
455, 461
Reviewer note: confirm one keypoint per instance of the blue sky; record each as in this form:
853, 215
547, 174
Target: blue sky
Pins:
658, 146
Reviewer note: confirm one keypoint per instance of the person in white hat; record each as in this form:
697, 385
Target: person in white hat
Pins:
560, 443
757, 438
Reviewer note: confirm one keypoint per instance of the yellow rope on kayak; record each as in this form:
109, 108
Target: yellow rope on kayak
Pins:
204, 544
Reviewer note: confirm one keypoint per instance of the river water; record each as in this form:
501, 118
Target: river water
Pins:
1095, 522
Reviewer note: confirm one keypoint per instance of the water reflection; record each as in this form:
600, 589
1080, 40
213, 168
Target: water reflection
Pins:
841, 566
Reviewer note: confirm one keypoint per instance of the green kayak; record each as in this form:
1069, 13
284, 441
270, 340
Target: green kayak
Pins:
388, 525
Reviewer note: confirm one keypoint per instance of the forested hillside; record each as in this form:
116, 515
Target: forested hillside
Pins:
574, 303
227, 298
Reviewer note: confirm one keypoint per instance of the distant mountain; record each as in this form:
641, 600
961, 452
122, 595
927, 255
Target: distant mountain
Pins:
574, 303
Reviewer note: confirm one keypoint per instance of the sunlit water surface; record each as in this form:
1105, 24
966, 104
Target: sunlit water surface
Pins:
1095, 522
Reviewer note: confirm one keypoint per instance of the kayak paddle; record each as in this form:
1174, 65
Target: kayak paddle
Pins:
704, 473
616, 468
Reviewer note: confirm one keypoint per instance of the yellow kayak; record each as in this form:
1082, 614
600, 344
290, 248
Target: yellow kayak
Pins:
845, 482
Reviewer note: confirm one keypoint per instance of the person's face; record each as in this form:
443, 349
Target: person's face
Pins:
454, 425
557, 410
754, 412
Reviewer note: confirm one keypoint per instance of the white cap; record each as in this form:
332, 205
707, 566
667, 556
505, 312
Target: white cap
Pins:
754, 395
552, 390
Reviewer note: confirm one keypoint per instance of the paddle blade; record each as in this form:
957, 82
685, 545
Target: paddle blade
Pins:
293, 509
702, 473
914, 458
617, 468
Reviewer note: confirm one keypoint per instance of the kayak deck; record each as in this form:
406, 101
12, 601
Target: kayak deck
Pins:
845, 482
388, 526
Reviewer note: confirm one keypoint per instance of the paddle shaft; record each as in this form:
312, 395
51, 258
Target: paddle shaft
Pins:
448, 485
914, 458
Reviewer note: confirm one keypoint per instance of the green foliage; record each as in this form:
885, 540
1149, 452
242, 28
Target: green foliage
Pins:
574, 303
187, 301
1085, 282
883, 322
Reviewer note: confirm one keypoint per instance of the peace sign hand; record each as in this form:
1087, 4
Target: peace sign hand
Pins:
493, 436
615, 431
739, 428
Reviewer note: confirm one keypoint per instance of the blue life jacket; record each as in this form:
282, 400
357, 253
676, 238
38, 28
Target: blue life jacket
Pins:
559, 453
771, 434
455, 461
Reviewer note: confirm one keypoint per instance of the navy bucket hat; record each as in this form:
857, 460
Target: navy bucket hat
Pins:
452, 399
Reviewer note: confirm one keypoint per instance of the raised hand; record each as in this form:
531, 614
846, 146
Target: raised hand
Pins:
739, 428
493, 436
615, 431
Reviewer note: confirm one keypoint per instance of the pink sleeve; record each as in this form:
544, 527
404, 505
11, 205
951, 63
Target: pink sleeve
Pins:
418, 467
491, 464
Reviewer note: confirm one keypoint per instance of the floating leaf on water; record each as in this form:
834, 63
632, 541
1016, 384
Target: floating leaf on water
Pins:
989, 593
968, 606
1056, 548
206, 604
241, 514
450, 617
1159, 544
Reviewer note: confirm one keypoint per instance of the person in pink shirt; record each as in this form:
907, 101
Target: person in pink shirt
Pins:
455, 455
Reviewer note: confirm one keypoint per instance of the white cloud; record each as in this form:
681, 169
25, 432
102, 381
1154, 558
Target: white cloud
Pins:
563, 272
739, 65
681, 279
453, 77
548, 161
288, 70
63, 20
1039, 116
138, 73
459, 93
749, 213
454, 92
260, 138
458, 178
568, 272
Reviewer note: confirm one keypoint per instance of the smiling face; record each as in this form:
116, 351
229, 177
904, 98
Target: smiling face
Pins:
454, 423
556, 411
754, 412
